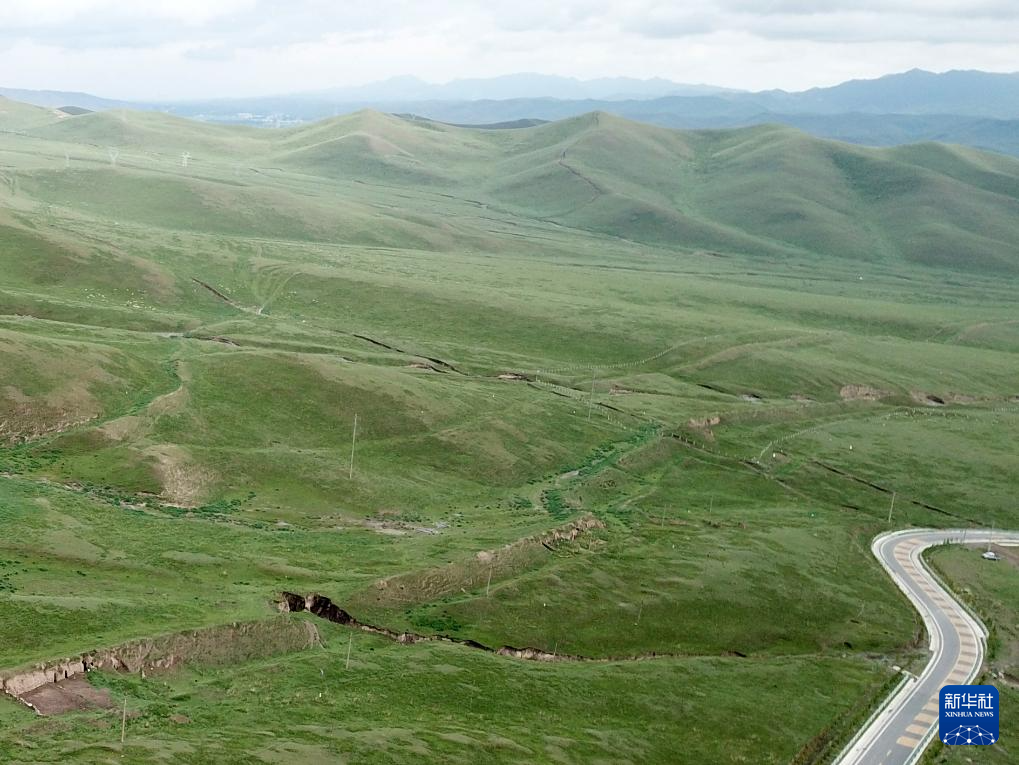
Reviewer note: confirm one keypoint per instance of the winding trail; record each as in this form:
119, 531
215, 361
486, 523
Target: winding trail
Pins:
598, 190
900, 731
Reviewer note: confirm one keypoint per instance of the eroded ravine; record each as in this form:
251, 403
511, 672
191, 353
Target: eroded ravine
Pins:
324, 608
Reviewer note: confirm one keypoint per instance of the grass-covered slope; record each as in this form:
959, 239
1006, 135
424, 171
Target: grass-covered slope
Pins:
725, 351
765, 189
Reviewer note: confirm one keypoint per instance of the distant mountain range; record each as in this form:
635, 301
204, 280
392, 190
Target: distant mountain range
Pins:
527, 85
978, 109
978, 94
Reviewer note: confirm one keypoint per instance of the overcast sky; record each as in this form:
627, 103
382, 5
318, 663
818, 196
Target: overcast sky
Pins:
161, 49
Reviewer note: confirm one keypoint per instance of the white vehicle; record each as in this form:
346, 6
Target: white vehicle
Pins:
990, 555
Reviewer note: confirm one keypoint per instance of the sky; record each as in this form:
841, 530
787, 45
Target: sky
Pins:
176, 49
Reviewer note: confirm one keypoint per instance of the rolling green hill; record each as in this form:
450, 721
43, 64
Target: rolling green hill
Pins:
620, 392
16, 116
766, 190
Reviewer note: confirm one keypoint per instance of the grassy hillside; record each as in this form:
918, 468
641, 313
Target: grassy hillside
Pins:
16, 116
727, 350
757, 190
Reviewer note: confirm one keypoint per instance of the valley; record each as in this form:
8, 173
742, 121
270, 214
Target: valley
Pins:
730, 357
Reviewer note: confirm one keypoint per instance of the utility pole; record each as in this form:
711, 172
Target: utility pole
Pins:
353, 444
891, 508
350, 645
488, 586
184, 159
123, 724
590, 407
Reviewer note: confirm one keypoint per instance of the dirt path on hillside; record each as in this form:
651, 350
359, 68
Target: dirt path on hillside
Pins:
598, 190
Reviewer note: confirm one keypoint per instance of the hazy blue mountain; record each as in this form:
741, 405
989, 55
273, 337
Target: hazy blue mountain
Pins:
977, 94
524, 85
528, 96
54, 99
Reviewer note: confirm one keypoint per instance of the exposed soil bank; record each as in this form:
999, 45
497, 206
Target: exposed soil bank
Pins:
380, 344
226, 644
324, 608
427, 585
477, 571
214, 291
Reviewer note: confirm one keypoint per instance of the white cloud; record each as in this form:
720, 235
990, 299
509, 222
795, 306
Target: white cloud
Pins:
178, 48
39, 16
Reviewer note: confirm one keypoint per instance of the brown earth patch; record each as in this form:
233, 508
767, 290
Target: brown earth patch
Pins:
707, 422
704, 426
74, 694
121, 428
862, 393
185, 484
963, 398
213, 646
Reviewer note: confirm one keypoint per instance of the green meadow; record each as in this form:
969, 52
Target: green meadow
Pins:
740, 352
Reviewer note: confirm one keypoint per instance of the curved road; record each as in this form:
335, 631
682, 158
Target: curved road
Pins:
899, 733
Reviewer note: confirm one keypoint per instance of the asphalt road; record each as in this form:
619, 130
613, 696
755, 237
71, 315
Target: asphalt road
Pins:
900, 732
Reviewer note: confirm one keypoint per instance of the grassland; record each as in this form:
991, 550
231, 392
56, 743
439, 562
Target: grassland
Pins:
733, 349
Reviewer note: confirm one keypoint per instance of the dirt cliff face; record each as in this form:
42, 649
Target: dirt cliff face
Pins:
213, 646
323, 607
